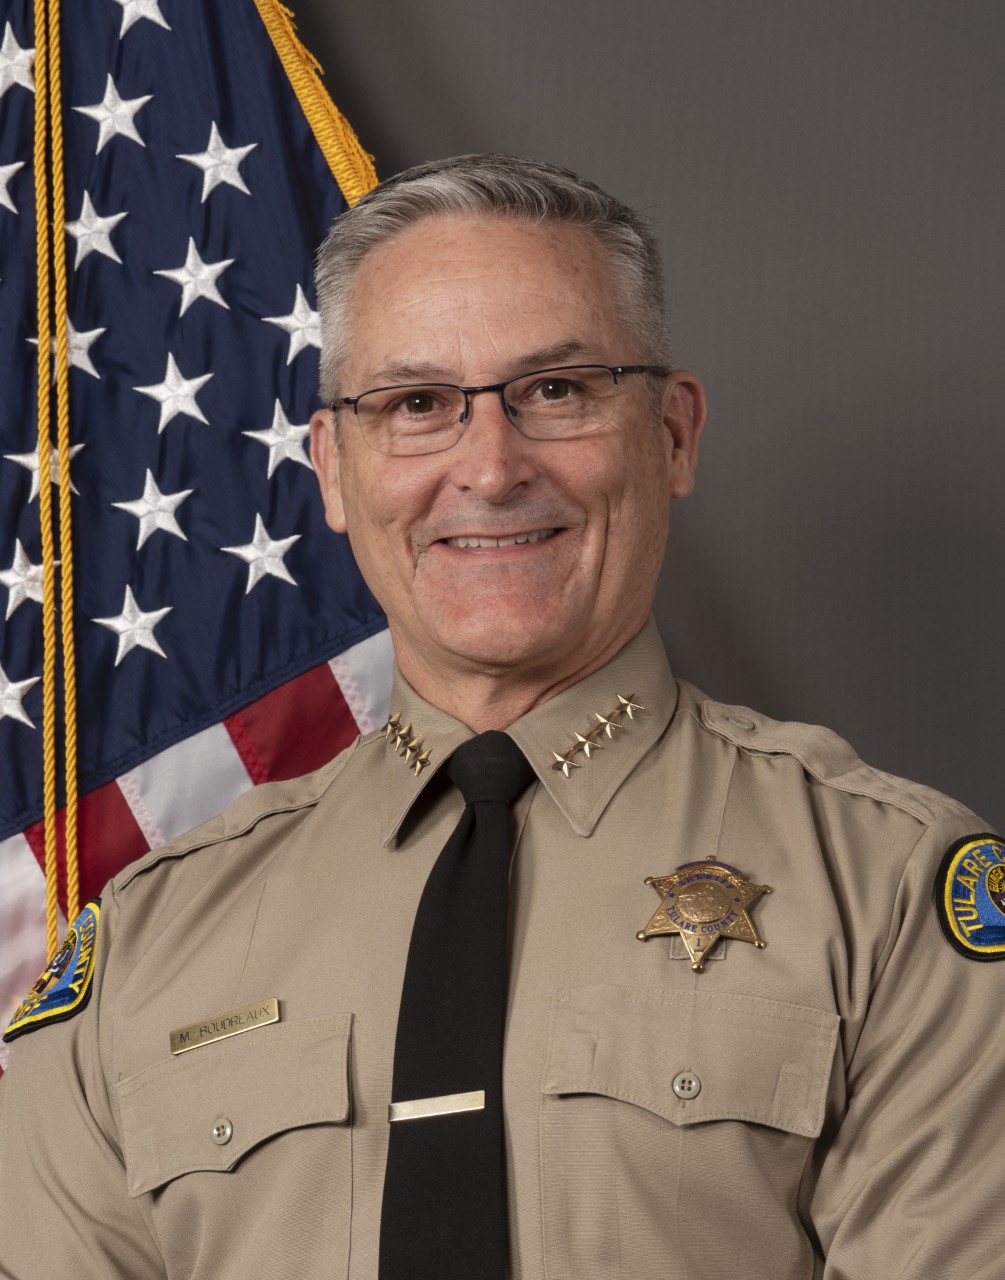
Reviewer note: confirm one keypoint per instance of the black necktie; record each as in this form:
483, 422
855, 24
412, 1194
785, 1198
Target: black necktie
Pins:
444, 1210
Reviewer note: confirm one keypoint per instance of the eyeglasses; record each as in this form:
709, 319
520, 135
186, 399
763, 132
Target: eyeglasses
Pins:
549, 404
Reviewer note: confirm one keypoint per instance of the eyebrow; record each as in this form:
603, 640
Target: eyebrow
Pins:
405, 373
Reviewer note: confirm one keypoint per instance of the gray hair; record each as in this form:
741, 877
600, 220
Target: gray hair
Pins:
497, 186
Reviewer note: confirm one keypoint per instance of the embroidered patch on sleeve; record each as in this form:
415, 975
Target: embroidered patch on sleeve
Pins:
65, 985
970, 896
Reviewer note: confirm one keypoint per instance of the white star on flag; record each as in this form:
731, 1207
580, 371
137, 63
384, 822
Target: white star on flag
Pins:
93, 233
11, 694
15, 63
79, 345
176, 394
197, 278
283, 439
263, 555
219, 163
30, 462
114, 115
135, 10
155, 510
78, 348
302, 324
134, 627
23, 579
7, 171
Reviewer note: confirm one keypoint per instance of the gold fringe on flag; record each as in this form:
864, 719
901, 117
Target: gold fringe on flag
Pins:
351, 165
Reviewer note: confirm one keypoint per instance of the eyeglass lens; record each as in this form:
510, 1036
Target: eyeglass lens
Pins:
547, 404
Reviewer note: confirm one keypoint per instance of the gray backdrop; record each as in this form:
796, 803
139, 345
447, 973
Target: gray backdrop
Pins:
829, 184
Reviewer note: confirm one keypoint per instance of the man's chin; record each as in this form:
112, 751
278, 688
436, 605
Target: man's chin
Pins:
501, 642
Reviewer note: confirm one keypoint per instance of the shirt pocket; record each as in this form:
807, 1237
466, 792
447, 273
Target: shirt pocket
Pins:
675, 1128
243, 1150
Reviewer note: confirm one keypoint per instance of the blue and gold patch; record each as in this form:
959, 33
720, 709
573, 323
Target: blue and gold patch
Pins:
65, 985
970, 896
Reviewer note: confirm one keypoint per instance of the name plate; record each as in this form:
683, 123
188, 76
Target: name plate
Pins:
222, 1025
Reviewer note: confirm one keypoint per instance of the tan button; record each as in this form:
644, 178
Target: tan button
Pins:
223, 1131
741, 722
686, 1085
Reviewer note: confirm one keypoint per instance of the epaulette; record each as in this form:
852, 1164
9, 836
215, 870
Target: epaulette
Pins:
826, 757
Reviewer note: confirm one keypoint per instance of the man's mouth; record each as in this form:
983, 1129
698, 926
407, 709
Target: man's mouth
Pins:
510, 540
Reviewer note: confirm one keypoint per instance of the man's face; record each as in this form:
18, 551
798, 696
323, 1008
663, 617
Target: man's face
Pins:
474, 301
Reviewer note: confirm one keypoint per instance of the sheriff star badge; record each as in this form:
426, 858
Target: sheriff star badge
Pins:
703, 902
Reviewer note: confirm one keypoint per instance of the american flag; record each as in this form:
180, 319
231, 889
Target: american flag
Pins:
223, 634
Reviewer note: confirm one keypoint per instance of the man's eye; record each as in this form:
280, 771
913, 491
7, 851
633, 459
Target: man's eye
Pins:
554, 389
417, 405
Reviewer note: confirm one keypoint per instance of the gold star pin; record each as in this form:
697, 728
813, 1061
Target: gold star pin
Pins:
586, 745
405, 745
564, 764
629, 706
703, 902
608, 723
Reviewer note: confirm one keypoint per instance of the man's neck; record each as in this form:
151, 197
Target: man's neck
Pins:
486, 699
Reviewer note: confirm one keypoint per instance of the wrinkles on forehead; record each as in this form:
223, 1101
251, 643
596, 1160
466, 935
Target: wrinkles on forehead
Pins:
407, 371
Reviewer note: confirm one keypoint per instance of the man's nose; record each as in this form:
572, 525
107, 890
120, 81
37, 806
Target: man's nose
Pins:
491, 458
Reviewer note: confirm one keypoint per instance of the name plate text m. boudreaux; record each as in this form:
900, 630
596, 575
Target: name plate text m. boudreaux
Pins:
222, 1025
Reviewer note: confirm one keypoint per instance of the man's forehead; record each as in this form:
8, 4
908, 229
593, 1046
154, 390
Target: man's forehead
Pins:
556, 354
540, 290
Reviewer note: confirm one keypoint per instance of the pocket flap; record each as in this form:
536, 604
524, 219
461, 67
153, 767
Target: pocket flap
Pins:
276, 1078
756, 1060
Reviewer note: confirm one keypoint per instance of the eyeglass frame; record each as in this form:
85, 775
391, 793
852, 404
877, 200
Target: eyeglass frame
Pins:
615, 370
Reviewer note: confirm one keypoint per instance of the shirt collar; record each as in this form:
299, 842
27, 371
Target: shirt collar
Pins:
582, 744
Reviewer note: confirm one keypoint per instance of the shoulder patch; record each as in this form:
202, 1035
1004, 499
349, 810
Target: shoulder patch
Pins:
65, 985
970, 896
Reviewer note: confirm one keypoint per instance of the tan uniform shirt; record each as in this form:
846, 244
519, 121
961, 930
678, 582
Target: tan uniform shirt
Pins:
850, 1099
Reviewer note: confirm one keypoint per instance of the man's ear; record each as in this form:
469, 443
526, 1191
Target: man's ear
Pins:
684, 412
327, 458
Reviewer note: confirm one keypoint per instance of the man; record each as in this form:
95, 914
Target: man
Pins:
740, 1035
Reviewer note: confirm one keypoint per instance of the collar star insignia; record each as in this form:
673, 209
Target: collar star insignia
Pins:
404, 744
587, 743
564, 764
703, 902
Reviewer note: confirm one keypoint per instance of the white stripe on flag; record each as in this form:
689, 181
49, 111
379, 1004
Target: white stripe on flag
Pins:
185, 785
364, 676
22, 928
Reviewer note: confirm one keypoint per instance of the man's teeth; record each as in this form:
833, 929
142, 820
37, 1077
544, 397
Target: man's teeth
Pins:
512, 540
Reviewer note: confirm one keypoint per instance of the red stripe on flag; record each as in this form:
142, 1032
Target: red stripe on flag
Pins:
294, 729
107, 836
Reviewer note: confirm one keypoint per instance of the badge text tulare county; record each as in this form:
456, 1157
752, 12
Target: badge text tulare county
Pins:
703, 902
